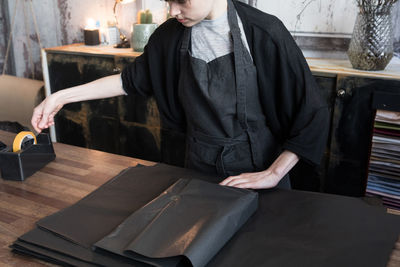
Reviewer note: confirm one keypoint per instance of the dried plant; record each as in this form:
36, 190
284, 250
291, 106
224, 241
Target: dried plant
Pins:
368, 6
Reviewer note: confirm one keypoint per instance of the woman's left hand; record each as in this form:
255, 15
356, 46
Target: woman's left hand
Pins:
265, 179
254, 180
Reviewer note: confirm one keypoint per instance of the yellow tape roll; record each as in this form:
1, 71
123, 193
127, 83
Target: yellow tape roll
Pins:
21, 138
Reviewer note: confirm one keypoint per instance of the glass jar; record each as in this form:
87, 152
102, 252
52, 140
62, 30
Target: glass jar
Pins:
371, 46
141, 34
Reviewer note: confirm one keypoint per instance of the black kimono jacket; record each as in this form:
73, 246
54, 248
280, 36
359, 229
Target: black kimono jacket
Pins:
294, 109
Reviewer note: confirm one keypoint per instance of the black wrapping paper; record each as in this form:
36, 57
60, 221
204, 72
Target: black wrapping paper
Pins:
296, 228
96, 215
55, 247
48, 255
192, 218
290, 228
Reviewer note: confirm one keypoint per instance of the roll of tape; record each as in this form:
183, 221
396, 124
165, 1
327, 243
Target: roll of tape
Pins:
21, 139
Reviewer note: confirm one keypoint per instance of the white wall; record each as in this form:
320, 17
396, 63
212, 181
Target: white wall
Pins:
61, 22
3, 31
313, 16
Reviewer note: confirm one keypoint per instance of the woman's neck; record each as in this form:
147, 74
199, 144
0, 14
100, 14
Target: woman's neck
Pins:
219, 7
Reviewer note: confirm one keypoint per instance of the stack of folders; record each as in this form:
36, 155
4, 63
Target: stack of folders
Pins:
384, 166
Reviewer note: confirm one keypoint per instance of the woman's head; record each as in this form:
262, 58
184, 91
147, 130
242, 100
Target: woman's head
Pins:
191, 12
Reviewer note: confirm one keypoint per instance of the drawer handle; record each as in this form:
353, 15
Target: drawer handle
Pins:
341, 92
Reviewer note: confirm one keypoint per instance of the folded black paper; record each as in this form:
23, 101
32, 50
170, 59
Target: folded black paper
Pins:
192, 218
57, 248
290, 228
42, 253
96, 215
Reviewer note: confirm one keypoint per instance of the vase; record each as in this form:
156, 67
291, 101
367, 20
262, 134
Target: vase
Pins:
141, 34
371, 46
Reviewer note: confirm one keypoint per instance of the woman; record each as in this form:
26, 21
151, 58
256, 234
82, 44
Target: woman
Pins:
233, 79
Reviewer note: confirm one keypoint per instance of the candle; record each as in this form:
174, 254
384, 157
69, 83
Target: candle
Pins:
91, 33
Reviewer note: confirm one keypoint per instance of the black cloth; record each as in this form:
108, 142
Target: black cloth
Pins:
290, 228
289, 95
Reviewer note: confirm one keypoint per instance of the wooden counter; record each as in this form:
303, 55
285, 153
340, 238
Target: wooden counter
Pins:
343, 67
72, 175
317, 65
104, 50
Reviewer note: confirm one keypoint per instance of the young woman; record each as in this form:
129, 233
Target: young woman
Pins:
232, 78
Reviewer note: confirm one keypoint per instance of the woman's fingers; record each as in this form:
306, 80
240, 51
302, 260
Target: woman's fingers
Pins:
228, 180
237, 180
247, 185
45, 119
43, 114
255, 180
37, 117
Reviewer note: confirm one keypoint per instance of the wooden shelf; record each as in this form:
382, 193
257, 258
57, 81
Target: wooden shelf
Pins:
99, 50
317, 65
343, 67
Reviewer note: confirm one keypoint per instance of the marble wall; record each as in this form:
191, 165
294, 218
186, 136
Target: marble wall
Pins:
61, 22
332, 21
3, 33
313, 16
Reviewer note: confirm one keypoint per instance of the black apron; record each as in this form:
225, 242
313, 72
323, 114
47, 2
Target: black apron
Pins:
226, 127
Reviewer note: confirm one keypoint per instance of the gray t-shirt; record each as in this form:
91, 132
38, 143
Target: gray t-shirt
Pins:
211, 38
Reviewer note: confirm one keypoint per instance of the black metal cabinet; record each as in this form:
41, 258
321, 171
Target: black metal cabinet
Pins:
353, 102
123, 125
351, 132
130, 125
306, 177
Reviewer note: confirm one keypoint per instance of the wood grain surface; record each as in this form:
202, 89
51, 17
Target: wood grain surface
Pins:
72, 175
343, 67
317, 65
104, 50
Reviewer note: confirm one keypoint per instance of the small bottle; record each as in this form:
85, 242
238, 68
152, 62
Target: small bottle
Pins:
101, 30
112, 33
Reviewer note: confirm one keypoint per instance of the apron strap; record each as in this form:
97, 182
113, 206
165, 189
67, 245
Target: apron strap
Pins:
241, 55
239, 60
185, 44
239, 65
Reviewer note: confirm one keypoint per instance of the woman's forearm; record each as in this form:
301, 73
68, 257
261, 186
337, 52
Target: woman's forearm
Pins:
102, 88
283, 164
43, 114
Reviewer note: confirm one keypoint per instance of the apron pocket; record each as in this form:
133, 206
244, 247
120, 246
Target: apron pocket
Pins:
266, 148
202, 156
237, 159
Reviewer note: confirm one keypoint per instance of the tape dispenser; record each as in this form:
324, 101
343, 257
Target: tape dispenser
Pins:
29, 153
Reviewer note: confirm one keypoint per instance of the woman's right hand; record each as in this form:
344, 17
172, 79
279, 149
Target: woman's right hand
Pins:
43, 114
